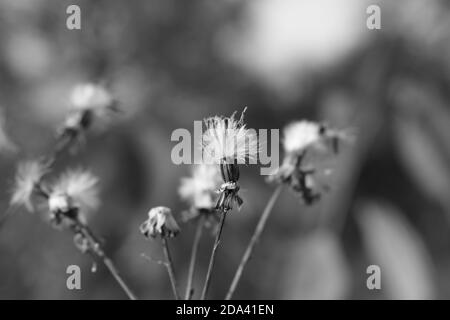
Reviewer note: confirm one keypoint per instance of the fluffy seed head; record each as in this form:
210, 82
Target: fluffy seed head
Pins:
80, 188
59, 202
28, 175
228, 140
300, 135
160, 222
90, 96
199, 189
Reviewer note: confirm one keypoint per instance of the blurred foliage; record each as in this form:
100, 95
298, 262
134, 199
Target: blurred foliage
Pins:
172, 62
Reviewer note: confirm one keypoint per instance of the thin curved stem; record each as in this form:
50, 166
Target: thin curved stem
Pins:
113, 270
213, 256
98, 251
253, 241
198, 235
170, 269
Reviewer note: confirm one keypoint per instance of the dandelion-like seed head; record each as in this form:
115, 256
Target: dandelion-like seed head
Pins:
59, 202
160, 222
75, 189
298, 170
89, 102
227, 140
28, 175
200, 189
89, 96
300, 135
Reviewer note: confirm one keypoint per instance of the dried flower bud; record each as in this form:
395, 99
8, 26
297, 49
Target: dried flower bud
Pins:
160, 222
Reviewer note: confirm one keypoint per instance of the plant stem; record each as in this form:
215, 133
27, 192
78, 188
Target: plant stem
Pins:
112, 269
213, 256
254, 240
98, 251
170, 270
198, 235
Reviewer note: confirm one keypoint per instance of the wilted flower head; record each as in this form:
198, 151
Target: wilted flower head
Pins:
75, 193
28, 176
200, 188
160, 222
227, 140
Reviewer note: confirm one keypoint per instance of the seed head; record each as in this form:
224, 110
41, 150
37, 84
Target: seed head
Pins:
228, 140
28, 176
76, 191
92, 97
200, 189
300, 135
298, 170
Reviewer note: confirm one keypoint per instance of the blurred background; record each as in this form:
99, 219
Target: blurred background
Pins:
172, 62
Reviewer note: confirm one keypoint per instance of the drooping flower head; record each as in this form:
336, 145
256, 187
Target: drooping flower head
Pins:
28, 176
160, 222
74, 195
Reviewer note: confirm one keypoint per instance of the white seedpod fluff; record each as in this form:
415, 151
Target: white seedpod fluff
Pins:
200, 188
228, 140
300, 135
75, 190
59, 202
228, 143
90, 96
299, 139
28, 175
